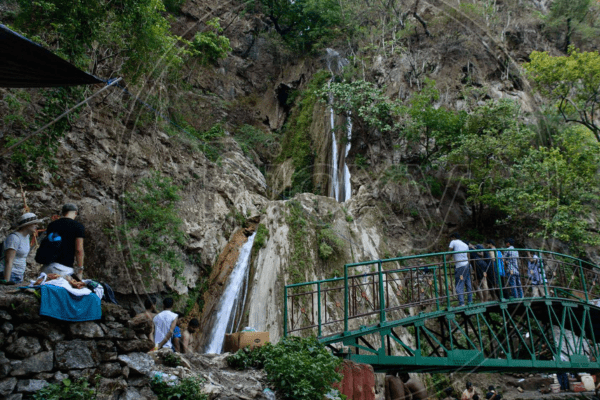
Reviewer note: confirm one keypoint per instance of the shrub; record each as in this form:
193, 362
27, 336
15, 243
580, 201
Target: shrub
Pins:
210, 46
186, 389
66, 390
298, 368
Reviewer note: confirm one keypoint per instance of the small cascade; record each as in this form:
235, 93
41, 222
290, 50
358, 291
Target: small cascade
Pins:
335, 183
231, 300
341, 189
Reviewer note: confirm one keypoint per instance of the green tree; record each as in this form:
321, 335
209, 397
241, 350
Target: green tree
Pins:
302, 23
492, 140
554, 188
573, 17
210, 45
572, 83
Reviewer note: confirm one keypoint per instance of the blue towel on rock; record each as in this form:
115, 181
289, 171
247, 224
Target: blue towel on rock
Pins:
58, 303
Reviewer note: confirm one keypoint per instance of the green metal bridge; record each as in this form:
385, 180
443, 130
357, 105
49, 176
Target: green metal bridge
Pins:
403, 314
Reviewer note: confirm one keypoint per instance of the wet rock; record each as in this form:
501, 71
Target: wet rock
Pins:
31, 385
86, 330
76, 354
139, 362
24, 346
7, 386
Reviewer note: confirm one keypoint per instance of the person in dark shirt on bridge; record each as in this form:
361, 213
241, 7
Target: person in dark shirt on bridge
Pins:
511, 260
71, 247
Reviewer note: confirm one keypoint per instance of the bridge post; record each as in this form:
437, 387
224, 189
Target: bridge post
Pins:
381, 294
319, 305
285, 311
345, 298
543, 271
447, 284
583, 282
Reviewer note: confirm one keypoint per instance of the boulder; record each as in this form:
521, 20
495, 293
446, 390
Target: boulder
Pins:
142, 363
76, 354
86, 330
24, 347
110, 370
41, 362
129, 346
31, 385
7, 386
117, 313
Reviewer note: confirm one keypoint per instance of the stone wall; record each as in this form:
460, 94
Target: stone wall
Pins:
36, 350
358, 382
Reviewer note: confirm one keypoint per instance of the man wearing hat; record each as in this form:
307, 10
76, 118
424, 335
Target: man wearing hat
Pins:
71, 247
16, 248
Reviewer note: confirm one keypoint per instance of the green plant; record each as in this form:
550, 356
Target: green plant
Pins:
210, 46
329, 243
298, 233
255, 139
171, 360
151, 230
185, 389
66, 390
260, 240
298, 368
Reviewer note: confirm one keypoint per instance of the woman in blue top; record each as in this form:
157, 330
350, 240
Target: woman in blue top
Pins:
16, 247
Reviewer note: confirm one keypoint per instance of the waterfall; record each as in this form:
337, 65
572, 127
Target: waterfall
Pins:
346, 174
341, 189
230, 300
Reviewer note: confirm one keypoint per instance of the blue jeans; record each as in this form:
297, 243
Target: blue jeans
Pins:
514, 284
465, 272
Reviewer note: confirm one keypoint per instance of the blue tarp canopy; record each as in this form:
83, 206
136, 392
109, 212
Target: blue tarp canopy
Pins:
24, 63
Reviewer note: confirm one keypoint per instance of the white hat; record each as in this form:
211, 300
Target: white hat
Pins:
28, 219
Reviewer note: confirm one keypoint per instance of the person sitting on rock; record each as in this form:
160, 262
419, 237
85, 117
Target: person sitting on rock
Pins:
413, 387
449, 392
394, 387
16, 247
469, 392
164, 325
188, 339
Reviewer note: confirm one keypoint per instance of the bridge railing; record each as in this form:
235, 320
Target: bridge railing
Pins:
376, 291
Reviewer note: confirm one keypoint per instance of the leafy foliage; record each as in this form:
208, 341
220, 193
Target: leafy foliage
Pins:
298, 368
66, 390
575, 18
210, 46
152, 227
186, 389
329, 243
572, 83
135, 29
301, 23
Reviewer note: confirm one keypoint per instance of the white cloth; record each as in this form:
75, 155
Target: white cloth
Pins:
162, 325
461, 259
63, 283
20, 243
59, 269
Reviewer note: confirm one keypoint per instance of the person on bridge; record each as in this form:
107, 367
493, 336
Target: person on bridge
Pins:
533, 273
483, 270
511, 258
462, 273
498, 262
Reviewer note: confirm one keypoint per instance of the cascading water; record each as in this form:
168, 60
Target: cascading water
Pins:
341, 189
230, 300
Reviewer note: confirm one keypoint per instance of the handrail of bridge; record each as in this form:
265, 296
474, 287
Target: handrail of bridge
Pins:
424, 285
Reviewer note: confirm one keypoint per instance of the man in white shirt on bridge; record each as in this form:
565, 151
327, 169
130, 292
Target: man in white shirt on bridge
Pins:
462, 274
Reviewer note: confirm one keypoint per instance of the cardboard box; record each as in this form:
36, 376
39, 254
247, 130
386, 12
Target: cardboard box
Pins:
577, 386
239, 340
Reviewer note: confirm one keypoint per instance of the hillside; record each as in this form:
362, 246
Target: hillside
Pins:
223, 122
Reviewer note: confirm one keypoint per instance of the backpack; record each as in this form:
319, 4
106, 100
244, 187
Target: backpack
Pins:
49, 249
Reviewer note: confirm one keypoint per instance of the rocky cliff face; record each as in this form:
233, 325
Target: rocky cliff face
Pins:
116, 141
